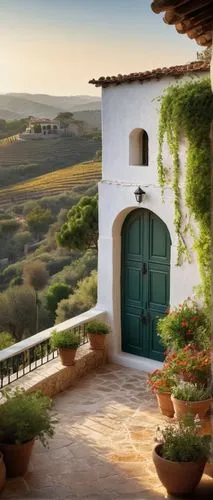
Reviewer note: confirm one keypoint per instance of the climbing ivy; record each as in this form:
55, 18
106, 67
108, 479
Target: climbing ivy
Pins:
186, 114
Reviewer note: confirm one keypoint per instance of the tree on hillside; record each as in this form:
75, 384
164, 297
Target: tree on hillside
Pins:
98, 155
18, 312
55, 294
83, 298
36, 276
205, 55
81, 229
38, 221
65, 118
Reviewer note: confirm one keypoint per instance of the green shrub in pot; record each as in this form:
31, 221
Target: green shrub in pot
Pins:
67, 343
181, 455
24, 417
97, 332
191, 398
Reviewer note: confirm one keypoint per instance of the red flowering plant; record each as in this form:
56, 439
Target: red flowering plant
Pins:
190, 365
188, 323
161, 381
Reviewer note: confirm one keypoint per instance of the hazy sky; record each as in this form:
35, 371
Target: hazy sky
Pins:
56, 46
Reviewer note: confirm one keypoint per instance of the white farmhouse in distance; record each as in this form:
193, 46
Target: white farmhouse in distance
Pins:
138, 278
43, 127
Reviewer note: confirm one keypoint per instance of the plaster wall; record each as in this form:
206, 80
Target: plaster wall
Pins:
125, 108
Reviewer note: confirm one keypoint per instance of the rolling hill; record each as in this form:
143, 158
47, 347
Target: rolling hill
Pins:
41, 105
51, 184
20, 161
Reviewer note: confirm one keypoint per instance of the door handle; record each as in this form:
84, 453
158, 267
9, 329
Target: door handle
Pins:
143, 318
144, 268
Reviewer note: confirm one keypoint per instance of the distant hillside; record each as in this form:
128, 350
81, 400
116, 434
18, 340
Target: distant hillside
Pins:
41, 105
51, 184
24, 160
91, 118
6, 114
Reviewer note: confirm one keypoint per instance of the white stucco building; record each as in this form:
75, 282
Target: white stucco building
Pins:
43, 126
137, 273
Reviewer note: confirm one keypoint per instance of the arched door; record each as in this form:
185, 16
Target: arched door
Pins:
145, 282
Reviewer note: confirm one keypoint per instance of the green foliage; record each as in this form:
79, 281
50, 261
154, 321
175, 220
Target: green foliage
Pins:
187, 391
25, 416
79, 269
65, 118
17, 281
185, 324
81, 229
13, 127
37, 128
38, 221
55, 294
161, 381
98, 155
6, 340
187, 110
84, 297
97, 328
18, 312
182, 443
65, 340
10, 272
9, 226
205, 55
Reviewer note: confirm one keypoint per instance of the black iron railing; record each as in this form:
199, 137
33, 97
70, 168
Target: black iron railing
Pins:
19, 364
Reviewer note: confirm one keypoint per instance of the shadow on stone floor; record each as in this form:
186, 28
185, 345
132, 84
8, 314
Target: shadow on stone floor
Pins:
102, 446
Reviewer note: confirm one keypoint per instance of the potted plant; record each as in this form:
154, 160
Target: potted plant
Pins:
2, 472
97, 333
24, 417
191, 398
181, 456
185, 324
190, 365
67, 343
161, 383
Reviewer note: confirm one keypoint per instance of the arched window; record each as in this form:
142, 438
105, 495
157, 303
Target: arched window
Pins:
138, 147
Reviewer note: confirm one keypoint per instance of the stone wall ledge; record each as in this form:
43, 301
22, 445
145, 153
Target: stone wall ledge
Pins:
53, 378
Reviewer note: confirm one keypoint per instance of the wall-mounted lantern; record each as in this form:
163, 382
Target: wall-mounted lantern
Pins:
139, 194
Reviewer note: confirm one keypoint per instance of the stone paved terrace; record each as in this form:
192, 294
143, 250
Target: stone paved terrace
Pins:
102, 446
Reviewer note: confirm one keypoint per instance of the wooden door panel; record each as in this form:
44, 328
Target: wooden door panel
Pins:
132, 339
158, 288
156, 349
133, 250
159, 245
133, 287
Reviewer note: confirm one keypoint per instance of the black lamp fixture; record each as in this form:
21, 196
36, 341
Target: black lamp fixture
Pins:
139, 194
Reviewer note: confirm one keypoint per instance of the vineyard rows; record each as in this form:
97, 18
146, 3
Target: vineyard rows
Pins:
51, 184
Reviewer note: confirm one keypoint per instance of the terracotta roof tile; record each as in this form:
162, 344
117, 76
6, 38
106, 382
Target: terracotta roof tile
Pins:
193, 17
159, 73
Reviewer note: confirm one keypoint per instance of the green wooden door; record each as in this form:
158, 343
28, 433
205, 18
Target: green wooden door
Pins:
145, 282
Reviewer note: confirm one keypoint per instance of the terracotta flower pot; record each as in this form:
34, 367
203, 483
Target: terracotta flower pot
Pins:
178, 478
97, 341
67, 356
199, 408
17, 457
165, 404
2, 473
